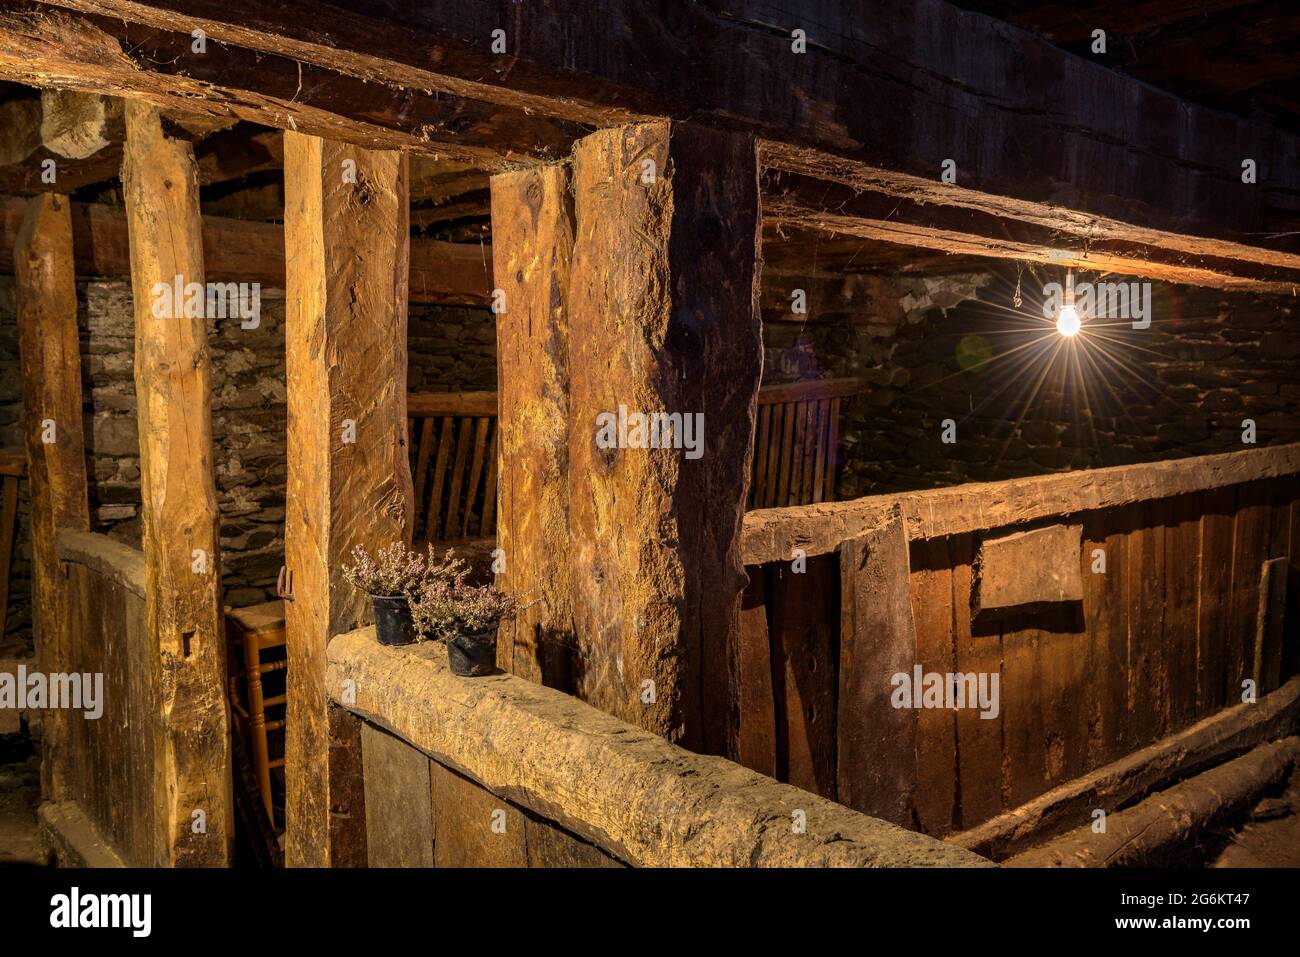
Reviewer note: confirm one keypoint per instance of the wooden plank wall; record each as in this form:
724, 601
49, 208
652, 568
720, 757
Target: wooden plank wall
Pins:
420, 813
1163, 638
113, 778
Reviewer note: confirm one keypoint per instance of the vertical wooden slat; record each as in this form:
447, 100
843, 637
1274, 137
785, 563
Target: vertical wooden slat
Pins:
805, 653
936, 733
876, 742
179, 517
458, 467
1148, 688
757, 491
1214, 600
832, 450
433, 525
1250, 546
797, 454
1106, 620
820, 451
979, 739
1024, 755
347, 251
487, 525
775, 439
786, 460
50, 361
756, 747
475, 472
423, 451
1182, 579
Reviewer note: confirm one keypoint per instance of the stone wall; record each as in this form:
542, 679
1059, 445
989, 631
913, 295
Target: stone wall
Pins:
929, 348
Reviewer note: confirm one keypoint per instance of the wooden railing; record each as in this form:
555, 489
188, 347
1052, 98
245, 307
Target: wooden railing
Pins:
453, 440
1116, 606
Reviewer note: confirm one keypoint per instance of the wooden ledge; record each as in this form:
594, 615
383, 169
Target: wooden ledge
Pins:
770, 534
634, 794
107, 556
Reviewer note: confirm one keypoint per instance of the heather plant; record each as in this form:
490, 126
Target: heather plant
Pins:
398, 570
447, 606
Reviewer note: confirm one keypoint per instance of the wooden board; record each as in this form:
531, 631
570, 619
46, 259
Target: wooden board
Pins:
398, 824
757, 738
345, 340
936, 729
182, 547
472, 826
875, 741
805, 639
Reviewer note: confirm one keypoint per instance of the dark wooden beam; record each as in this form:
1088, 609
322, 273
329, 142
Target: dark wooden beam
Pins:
1019, 117
44, 47
942, 219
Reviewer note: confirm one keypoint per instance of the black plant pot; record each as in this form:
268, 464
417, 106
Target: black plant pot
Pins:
471, 656
393, 625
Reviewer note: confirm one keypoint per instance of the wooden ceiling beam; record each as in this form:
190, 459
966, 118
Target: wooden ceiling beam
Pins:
919, 214
45, 47
883, 89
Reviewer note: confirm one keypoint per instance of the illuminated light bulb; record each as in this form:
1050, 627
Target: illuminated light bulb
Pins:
1067, 323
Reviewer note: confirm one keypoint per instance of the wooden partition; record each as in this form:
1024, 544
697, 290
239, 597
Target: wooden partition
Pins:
453, 440
1175, 600
13, 467
112, 779
501, 771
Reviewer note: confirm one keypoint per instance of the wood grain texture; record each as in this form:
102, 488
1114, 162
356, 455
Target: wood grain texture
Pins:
50, 361
770, 534
532, 249
663, 318
345, 340
182, 547
398, 824
627, 790
875, 741
1002, 85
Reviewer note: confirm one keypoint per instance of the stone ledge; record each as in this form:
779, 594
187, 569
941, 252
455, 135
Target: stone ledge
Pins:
632, 793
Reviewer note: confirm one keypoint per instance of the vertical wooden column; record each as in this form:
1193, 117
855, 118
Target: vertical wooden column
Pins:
532, 251
178, 493
52, 424
347, 246
663, 318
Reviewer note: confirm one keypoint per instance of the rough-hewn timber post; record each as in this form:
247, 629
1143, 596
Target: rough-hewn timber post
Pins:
663, 319
56, 456
347, 242
532, 249
182, 548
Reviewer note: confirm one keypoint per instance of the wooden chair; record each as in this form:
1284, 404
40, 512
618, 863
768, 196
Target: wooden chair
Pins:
13, 466
251, 633
796, 442
453, 438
